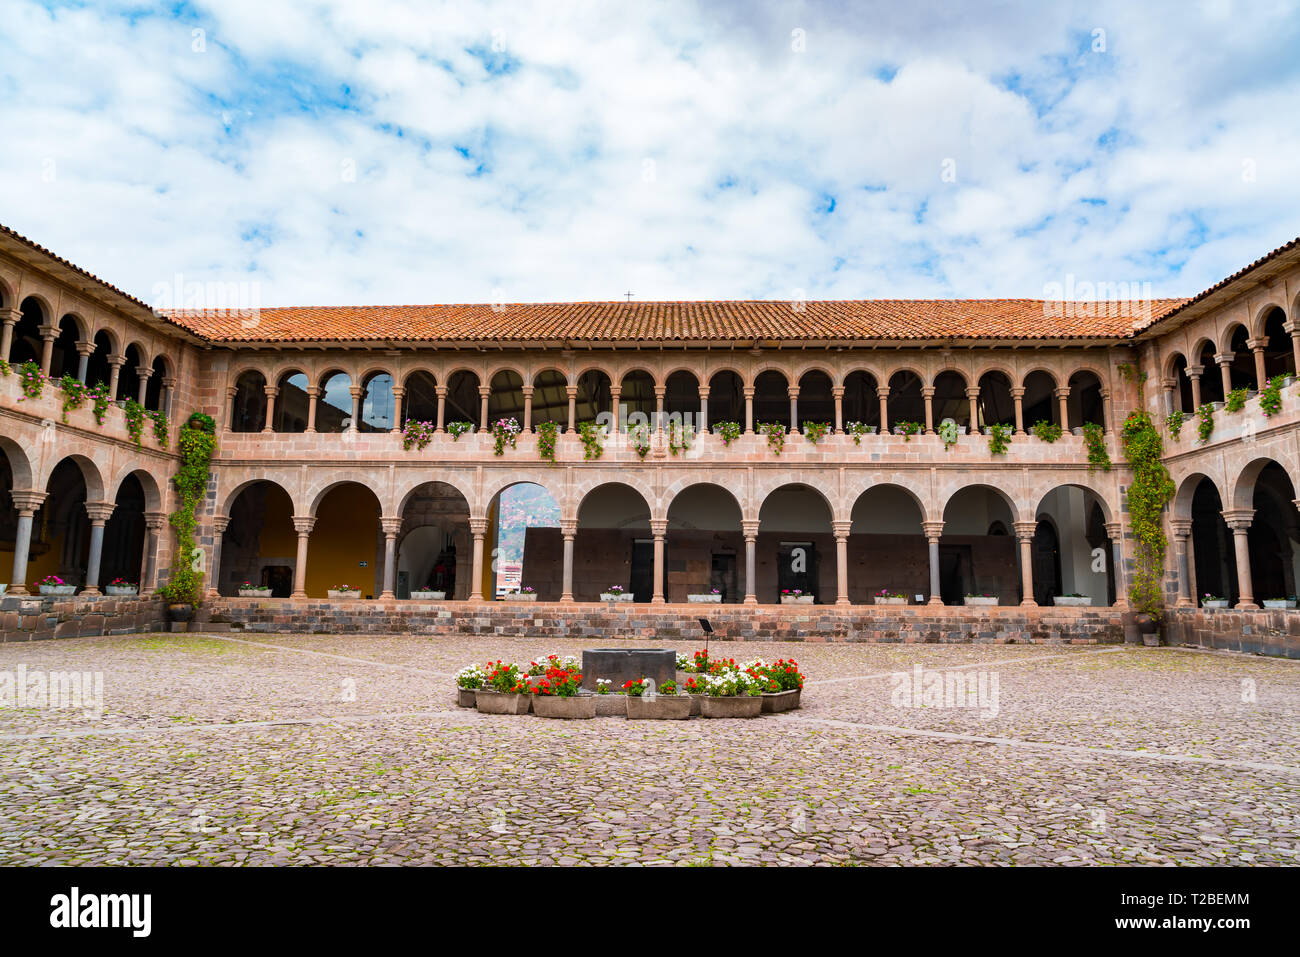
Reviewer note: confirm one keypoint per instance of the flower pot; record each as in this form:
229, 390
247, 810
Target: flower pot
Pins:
610, 705
428, 595
1146, 624
797, 599
1151, 641
662, 707
467, 697
775, 702
1077, 430
494, 702
58, 589
980, 600
520, 596
696, 700
613, 596
740, 706
254, 593
1071, 600
180, 611
704, 599
1268, 602
348, 595
121, 591
1215, 603
553, 706
890, 601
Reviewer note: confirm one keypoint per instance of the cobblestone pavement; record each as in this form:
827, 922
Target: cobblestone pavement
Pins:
343, 749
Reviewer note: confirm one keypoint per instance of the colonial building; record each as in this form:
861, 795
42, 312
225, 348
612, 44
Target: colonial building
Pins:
748, 450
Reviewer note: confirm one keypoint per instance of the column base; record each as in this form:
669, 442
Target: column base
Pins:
16, 590
567, 598
299, 594
1029, 603
843, 601
387, 596
935, 600
750, 600
1246, 606
658, 600
88, 591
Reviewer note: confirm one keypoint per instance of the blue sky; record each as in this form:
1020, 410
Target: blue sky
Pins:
394, 152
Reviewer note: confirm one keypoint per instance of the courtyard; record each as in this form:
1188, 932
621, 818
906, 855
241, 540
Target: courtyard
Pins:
276, 749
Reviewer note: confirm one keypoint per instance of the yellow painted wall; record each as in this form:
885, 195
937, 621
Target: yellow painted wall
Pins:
47, 564
347, 526
277, 538
488, 578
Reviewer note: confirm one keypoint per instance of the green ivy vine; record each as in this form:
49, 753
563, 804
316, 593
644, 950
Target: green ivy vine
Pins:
999, 439
1049, 432
1174, 422
198, 443
134, 420
1148, 494
1094, 437
1205, 422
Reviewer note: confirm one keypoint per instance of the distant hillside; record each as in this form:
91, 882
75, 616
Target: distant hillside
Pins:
523, 507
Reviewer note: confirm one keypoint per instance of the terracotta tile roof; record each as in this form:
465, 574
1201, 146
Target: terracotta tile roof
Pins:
718, 321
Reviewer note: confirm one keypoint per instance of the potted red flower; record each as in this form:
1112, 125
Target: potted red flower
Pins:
556, 695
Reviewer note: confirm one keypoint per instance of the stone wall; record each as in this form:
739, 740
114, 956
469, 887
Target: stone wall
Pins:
30, 618
1266, 632
919, 623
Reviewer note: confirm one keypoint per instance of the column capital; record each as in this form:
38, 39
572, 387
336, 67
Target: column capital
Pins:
155, 521
572, 391
1256, 345
484, 391
27, 501
49, 333
1181, 527
220, 523
271, 391
973, 392
11, 317
1223, 358
303, 525
882, 392
569, 527
392, 525
144, 372
1062, 392
99, 512
398, 391
837, 392
85, 348
659, 527
1193, 372
478, 527
357, 391
1115, 530
932, 530
1168, 383
313, 392
1017, 392
841, 529
749, 391
704, 391
927, 392
615, 391
231, 391
792, 391
750, 528
440, 391
527, 391
1238, 519
1025, 531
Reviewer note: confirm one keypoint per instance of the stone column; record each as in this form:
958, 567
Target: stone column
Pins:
527, 424
84, 349
927, 395
98, 513
1115, 532
1194, 376
837, 393
219, 525
974, 396
1018, 396
441, 390
357, 392
1291, 327
615, 393
228, 413
1257, 346
48, 335
933, 530
154, 523
484, 392
882, 392
168, 392
26, 503
271, 393
392, 528
115, 364
1182, 529
749, 410
1025, 536
477, 528
313, 394
793, 393
1224, 360
398, 395
1167, 386
659, 528
10, 318
750, 529
572, 392
143, 374
303, 527
1108, 418
569, 529
703, 425
1063, 398
1238, 520
841, 530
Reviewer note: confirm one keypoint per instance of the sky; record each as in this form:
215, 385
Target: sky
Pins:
384, 152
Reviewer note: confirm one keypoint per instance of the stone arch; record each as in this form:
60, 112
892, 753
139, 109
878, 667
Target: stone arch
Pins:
90, 473
1242, 490
497, 482
20, 465
457, 483
236, 491
1229, 333
153, 499
1181, 506
1000, 493
917, 496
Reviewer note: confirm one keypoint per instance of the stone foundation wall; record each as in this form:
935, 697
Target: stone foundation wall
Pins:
30, 618
919, 623
1265, 632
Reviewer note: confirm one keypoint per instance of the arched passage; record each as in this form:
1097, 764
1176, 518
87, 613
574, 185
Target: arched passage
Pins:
707, 544
434, 547
1085, 402
726, 399
905, 402
1274, 535
259, 545
887, 548
1182, 400
506, 400
996, 404
1039, 402
420, 403
595, 397
98, 371
124, 532
292, 403
682, 399
861, 400
1073, 554
346, 546
64, 358
377, 403
550, 399
950, 400
1241, 370
26, 343
463, 403
1210, 377
1214, 562
248, 410
816, 403
613, 544
1279, 354
60, 542
796, 547
772, 399
978, 554
334, 407
128, 376
527, 547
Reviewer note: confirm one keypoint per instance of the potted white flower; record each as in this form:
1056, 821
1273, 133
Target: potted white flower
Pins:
616, 593
468, 680
1268, 602
711, 597
888, 597
1213, 601
795, 596
121, 588
984, 598
344, 591
427, 594
1073, 599
54, 585
731, 694
249, 590
645, 704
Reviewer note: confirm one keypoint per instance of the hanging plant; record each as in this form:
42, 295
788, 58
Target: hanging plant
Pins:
197, 445
99, 401
33, 379
1270, 397
5, 368
730, 431
504, 432
1148, 494
949, 433
1049, 432
1094, 437
1235, 401
546, 436
639, 436
159, 427
815, 431
457, 429
417, 433
907, 429
74, 395
858, 430
134, 420
1205, 423
999, 439
775, 433
680, 436
1174, 422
